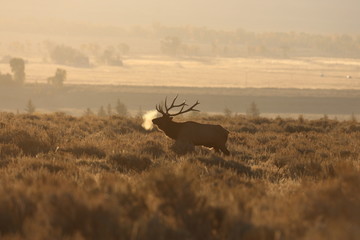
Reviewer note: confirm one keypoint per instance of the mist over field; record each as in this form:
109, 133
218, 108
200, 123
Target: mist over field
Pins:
331, 16
256, 133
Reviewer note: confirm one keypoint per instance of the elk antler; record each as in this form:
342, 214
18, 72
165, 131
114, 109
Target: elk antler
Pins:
160, 109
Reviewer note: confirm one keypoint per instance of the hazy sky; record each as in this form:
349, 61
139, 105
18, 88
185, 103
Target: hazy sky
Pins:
339, 16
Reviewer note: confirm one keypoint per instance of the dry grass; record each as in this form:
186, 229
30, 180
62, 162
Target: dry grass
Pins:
106, 178
314, 73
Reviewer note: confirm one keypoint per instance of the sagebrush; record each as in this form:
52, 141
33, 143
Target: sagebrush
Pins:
63, 177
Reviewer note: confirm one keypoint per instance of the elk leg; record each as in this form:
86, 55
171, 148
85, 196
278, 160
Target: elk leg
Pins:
224, 150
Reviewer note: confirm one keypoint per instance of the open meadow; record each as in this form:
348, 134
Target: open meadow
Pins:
65, 177
216, 72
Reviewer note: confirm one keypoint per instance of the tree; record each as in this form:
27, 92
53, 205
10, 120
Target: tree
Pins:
227, 112
30, 108
58, 79
88, 112
353, 117
253, 111
109, 110
101, 112
109, 57
18, 68
171, 46
69, 56
121, 108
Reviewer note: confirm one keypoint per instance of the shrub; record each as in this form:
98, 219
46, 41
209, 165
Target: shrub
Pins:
190, 212
9, 150
15, 209
85, 150
29, 143
152, 148
129, 162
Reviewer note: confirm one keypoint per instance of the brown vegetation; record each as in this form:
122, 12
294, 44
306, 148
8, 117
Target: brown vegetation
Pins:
106, 178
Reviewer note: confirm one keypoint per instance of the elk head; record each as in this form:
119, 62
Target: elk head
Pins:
166, 118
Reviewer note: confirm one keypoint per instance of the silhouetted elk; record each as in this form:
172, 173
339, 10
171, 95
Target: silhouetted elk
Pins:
198, 134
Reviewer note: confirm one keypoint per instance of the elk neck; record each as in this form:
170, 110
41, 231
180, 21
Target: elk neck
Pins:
171, 129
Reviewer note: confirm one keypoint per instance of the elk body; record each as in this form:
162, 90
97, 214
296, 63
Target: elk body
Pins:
198, 134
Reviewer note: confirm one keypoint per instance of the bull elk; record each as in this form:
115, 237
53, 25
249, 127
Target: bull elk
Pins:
198, 134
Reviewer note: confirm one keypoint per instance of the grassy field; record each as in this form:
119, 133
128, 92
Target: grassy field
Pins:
63, 177
313, 73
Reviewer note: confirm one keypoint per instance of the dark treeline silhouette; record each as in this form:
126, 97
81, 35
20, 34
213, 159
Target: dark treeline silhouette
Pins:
241, 43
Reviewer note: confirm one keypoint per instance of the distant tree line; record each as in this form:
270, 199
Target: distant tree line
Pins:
18, 75
66, 55
120, 110
196, 41
241, 43
111, 55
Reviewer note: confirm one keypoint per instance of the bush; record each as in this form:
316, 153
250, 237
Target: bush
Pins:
9, 150
152, 148
29, 143
85, 150
129, 162
15, 209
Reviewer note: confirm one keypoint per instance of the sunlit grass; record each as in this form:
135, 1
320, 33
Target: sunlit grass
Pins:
214, 72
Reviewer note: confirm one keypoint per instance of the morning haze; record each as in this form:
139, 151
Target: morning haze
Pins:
139, 52
164, 119
321, 16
